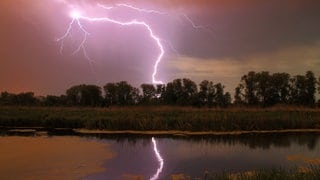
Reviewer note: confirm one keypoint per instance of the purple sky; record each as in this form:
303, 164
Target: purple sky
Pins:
238, 36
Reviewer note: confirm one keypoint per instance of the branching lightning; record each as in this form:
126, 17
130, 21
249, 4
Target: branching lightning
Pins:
75, 15
77, 18
132, 8
159, 158
194, 25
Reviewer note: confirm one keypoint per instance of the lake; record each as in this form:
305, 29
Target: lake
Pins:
38, 155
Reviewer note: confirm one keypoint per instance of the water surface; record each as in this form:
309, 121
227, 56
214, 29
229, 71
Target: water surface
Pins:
55, 157
198, 155
128, 157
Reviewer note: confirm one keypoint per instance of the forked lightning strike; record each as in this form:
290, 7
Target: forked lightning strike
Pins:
77, 17
132, 7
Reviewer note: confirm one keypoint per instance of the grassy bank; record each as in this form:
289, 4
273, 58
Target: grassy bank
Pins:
312, 173
161, 118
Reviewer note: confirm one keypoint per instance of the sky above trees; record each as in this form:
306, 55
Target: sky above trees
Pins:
239, 36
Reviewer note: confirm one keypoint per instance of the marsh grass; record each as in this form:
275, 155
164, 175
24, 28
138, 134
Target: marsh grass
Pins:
311, 173
161, 118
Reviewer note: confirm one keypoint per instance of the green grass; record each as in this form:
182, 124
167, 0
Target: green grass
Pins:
311, 173
161, 118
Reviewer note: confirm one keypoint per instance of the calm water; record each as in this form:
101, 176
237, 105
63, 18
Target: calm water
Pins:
122, 157
195, 156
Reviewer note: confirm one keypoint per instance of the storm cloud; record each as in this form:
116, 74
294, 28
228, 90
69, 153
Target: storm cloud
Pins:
231, 38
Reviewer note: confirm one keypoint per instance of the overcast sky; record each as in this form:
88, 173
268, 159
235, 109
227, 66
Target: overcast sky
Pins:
230, 38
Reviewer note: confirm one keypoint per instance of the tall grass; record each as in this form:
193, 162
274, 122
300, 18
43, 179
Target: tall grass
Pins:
310, 173
161, 118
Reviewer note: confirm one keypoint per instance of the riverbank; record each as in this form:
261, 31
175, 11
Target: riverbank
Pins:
164, 119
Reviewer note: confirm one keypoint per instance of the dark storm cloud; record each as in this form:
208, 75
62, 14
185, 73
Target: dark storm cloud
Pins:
256, 28
191, 3
235, 30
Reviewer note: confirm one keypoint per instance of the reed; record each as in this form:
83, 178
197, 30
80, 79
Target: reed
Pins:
312, 172
161, 118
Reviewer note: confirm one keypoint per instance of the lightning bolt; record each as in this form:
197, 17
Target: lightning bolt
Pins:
132, 8
77, 18
159, 158
186, 17
75, 15
194, 25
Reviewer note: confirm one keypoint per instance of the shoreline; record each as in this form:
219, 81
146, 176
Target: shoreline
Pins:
195, 133
39, 130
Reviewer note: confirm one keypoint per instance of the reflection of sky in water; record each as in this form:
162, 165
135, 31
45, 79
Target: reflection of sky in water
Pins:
136, 157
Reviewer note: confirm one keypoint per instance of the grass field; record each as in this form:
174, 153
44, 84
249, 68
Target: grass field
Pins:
162, 118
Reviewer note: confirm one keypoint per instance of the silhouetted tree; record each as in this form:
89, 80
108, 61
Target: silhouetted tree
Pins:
280, 89
21, 99
239, 98
318, 85
6, 98
84, 95
135, 94
311, 88
212, 95
92, 95
272, 89
249, 82
189, 92
255, 88
121, 93
148, 93
263, 89
74, 95
206, 93
110, 90
221, 99
227, 100
160, 93
179, 92
125, 93
25, 99
319, 90
55, 100
51, 101
303, 89
169, 95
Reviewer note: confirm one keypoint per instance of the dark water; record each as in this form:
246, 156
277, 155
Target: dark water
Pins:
197, 155
136, 156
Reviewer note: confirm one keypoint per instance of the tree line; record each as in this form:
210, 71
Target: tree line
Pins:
255, 89
267, 89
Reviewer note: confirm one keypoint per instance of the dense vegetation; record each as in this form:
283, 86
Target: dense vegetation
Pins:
161, 118
255, 89
279, 88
